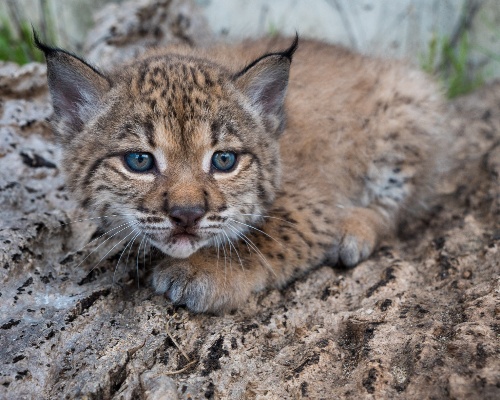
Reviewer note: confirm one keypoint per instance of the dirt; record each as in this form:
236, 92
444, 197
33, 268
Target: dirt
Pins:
419, 319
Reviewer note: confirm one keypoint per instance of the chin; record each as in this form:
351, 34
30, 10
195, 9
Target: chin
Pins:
179, 249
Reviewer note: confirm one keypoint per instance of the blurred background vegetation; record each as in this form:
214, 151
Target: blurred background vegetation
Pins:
456, 40
60, 23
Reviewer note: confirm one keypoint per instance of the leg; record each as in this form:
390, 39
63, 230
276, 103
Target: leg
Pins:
223, 277
207, 282
361, 230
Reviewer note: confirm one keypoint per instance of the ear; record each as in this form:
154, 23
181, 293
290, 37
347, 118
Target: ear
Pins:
264, 82
76, 87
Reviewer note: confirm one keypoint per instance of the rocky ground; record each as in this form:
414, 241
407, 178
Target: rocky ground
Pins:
420, 319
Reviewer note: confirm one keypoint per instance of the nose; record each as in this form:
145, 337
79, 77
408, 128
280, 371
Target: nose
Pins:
186, 217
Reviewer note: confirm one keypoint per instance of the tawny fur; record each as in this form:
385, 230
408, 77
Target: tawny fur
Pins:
360, 153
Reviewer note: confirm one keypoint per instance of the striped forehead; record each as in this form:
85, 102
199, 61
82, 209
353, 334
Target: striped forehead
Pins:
164, 76
183, 107
169, 136
191, 148
213, 129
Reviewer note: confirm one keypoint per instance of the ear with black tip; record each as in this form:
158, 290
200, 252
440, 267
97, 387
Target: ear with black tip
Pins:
76, 87
264, 82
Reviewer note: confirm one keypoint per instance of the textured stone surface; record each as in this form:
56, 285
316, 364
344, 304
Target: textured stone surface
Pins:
126, 30
420, 319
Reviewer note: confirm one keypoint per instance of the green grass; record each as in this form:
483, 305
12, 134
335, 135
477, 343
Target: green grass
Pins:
272, 29
461, 79
457, 62
451, 64
17, 46
16, 37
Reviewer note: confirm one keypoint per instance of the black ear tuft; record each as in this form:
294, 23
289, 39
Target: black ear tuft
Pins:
288, 53
40, 45
75, 86
36, 39
264, 81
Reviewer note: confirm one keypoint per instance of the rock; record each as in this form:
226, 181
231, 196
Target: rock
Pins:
126, 30
419, 319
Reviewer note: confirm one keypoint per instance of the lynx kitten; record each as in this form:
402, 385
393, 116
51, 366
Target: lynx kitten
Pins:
247, 176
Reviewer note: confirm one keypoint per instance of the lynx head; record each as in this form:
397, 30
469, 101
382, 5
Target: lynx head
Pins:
184, 150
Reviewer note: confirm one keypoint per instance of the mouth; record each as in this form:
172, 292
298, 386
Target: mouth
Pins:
179, 244
183, 237
182, 242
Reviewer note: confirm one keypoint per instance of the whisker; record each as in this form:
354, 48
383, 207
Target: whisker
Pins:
90, 219
230, 257
258, 230
130, 248
254, 247
293, 226
225, 257
109, 251
268, 216
231, 244
129, 225
144, 255
137, 261
104, 234
121, 255
217, 242
150, 253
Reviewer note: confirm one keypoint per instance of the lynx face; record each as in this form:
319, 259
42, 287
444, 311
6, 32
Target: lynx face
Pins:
184, 151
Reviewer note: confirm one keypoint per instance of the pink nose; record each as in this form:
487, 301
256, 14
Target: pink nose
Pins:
186, 217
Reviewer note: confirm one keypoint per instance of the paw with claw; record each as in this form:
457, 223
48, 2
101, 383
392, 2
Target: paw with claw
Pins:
359, 234
200, 285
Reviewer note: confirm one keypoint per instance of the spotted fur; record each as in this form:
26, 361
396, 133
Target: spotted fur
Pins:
320, 177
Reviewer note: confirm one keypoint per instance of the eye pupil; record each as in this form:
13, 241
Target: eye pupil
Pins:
224, 160
139, 162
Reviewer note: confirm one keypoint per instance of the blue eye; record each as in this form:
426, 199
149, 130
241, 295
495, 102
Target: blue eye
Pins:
139, 162
224, 160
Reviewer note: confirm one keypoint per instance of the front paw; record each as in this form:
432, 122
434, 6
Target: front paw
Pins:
355, 248
360, 233
199, 289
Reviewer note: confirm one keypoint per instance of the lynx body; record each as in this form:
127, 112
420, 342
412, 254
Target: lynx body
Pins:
247, 176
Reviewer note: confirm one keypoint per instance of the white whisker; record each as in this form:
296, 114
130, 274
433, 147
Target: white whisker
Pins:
90, 219
121, 255
268, 216
116, 233
104, 234
109, 251
144, 256
231, 244
130, 248
217, 242
293, 226
137, 260
258, 230
254, 247
225, 257
150, 253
